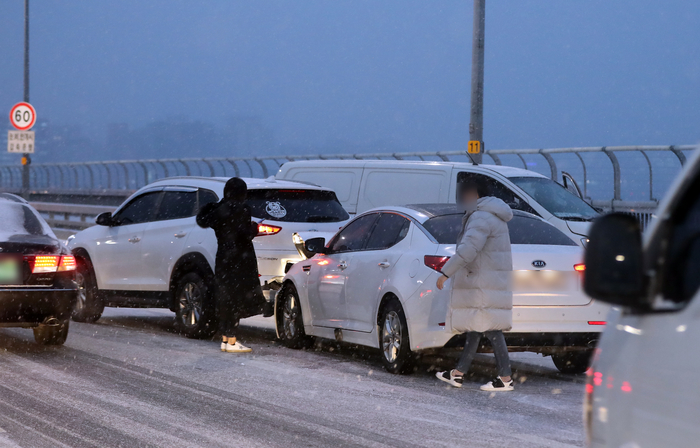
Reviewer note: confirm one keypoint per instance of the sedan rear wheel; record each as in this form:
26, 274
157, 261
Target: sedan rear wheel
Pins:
394, 339
52, 335
573, 362
194, 307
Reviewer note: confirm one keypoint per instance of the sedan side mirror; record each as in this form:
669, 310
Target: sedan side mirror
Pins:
315, 246
105, 219
614, 261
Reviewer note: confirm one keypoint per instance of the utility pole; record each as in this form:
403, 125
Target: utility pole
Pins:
26, 159
476, 118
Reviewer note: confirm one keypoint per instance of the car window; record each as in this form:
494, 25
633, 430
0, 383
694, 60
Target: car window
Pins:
296, 205
17, 218
354, 235
523, 230
389, 230
141, 209
205, 197
177, 205
497, 189
556, 199
681, 279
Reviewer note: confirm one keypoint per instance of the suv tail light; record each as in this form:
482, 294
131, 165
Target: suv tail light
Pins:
41, 264
435, 262
266, 229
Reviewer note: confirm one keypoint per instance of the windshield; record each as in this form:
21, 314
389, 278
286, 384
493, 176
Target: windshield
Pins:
556, 199
523, 230
296, 205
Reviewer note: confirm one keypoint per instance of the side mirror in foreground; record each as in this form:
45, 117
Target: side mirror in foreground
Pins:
614, 261
104, 219
315, 246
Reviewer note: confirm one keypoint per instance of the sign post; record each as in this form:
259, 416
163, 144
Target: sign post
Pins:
476, 122
21, 141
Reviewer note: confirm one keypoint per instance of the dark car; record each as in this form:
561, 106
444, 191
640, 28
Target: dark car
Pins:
37, 273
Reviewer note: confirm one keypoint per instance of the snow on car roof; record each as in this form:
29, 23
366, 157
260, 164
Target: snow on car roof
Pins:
218, 183
423, 212
507, 171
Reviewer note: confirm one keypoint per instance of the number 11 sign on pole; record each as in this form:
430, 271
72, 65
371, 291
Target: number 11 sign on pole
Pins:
22, 117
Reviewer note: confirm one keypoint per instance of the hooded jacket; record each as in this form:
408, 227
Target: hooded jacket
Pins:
480, 270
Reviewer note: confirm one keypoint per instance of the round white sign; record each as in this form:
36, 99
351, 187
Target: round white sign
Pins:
23, 116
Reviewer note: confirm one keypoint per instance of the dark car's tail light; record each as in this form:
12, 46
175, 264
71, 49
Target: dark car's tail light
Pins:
435, 262
42, 264
266, 229
67, 263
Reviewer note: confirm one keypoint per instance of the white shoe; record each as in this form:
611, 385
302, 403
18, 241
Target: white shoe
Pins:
223, 346
498, 385
237, 348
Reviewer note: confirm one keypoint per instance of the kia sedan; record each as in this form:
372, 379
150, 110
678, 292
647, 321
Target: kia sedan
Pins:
373, 284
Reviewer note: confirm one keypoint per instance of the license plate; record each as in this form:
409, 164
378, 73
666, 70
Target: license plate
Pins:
9, 271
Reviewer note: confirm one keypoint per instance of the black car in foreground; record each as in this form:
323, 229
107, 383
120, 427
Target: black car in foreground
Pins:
37, 273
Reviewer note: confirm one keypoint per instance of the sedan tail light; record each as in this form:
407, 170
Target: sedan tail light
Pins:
41, 264
435, 262
580, 267
266, 229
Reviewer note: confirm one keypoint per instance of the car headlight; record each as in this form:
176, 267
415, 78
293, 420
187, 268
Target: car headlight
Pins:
584, 242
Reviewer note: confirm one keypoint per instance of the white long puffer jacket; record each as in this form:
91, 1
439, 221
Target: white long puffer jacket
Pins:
480, 271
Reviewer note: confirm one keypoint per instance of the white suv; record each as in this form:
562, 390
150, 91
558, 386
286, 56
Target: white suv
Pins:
151, 253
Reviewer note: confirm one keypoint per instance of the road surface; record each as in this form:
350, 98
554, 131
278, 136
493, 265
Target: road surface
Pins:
130, 381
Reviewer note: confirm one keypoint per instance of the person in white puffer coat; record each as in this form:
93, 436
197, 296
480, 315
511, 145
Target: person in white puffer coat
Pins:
481, 301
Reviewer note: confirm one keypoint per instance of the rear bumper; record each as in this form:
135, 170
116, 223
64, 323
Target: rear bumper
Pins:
28, 307
546, 343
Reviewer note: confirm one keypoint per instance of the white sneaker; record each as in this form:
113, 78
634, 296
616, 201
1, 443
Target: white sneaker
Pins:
223, 346
498, 385
237, 348
449, 378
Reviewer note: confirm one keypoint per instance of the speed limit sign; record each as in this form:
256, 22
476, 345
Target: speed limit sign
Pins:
22, 116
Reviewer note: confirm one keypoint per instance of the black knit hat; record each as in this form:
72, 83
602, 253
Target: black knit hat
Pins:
235, 189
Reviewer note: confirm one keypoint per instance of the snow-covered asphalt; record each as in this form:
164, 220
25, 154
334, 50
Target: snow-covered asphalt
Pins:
130, 381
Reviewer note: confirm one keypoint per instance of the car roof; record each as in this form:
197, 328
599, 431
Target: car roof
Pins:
12, 198
424, 212
507, 171
217, 183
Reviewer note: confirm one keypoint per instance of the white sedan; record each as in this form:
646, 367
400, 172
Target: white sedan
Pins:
373, 284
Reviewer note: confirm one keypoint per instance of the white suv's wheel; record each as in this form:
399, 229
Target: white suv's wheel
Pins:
194, 312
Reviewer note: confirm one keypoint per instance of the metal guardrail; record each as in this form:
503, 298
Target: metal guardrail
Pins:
70, 216
100, 185
133, 174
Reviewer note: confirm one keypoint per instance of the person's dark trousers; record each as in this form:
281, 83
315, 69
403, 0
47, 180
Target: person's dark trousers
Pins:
500, 351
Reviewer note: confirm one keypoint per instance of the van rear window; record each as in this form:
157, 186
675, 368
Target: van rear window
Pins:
296, 205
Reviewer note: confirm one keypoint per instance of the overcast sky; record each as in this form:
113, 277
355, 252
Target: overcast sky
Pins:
558, 73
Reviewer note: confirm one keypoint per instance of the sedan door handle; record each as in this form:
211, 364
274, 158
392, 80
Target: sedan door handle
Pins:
343, 265
180, 235
134, 239
384, 264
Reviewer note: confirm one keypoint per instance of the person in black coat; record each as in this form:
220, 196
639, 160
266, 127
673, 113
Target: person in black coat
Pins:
238, 291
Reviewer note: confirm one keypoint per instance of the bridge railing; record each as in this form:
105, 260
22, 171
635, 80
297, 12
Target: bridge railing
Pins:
612, 176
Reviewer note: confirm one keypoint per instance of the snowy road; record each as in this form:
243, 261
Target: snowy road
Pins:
130, 381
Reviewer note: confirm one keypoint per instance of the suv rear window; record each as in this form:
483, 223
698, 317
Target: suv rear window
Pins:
445, 229
296, 205
19, 219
